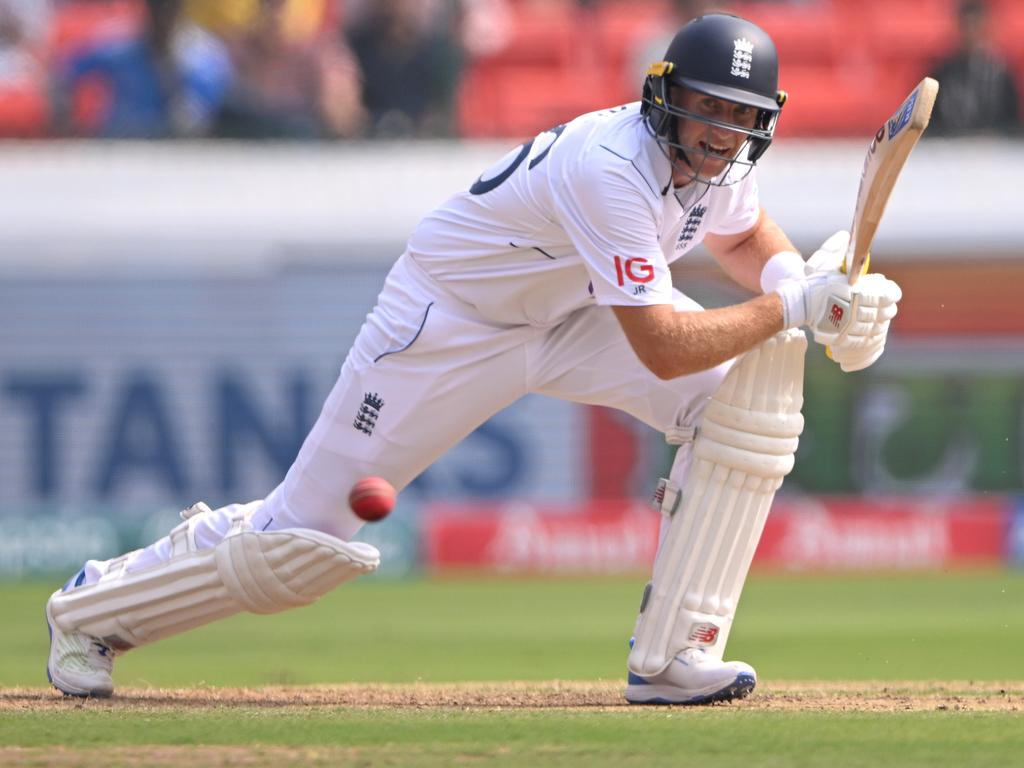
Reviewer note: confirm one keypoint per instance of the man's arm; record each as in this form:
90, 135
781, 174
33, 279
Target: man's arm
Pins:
672, 343
744, 255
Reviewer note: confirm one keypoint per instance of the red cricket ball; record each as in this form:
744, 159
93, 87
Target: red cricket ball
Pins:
372, 498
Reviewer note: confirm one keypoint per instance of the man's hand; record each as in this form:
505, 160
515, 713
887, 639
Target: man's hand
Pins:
852, 359
855, 328
852, 321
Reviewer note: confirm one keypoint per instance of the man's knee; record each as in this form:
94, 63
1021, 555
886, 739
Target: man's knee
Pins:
693, 393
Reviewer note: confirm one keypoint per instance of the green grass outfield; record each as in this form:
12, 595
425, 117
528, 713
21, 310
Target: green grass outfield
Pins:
966, 626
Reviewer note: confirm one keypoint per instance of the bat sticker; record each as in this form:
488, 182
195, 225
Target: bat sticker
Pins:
899, 121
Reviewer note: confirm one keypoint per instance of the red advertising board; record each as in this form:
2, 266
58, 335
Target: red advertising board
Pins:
893, 533
599, 537
801, 534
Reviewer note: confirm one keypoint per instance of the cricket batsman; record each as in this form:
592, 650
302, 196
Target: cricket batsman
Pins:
549, 274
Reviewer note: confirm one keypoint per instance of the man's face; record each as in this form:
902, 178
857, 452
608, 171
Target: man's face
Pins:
714, 146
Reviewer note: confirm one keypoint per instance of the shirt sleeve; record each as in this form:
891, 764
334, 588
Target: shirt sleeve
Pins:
605, 213
738, 207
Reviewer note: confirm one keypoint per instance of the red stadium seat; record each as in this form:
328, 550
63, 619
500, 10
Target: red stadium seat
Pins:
542, 34
846, 63
622, 30
909, 31
534, 98
26, 110
478, 101
804, 33
79, 23
821, 102
833, 102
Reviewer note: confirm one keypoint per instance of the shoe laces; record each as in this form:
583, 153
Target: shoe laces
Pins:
692, 655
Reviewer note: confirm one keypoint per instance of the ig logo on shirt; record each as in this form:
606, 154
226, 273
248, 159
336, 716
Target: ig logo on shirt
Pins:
636, 270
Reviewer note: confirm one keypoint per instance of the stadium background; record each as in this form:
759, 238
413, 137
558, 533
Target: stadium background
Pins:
172, 313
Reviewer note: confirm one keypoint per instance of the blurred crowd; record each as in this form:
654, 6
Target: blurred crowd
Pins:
301, 69
342, 69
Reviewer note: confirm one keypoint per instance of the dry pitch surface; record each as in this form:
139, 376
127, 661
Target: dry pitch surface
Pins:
857, 696
463, 704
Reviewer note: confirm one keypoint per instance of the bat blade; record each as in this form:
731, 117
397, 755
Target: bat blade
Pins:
886, 156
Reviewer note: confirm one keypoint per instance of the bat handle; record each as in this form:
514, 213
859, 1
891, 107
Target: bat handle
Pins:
854, 275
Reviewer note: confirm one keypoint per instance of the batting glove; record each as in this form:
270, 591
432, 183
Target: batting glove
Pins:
875, 300
852, 322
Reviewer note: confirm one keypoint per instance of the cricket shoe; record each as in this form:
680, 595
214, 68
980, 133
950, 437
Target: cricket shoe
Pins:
79, 664
693, 677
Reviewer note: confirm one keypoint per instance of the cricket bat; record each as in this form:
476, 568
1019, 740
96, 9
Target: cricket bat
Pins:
887, 154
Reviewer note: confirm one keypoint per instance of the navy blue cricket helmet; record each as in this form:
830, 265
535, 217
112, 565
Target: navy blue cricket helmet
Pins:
726, 57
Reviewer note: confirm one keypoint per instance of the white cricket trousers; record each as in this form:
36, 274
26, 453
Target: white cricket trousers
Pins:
425, 370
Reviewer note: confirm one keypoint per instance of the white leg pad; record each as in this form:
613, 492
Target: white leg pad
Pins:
744, 447
260, 572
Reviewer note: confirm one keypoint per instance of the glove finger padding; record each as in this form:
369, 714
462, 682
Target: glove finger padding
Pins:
887, 312
875, 299
852, 359
878, 290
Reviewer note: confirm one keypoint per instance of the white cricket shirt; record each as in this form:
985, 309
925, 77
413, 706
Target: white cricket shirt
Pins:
573, 217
